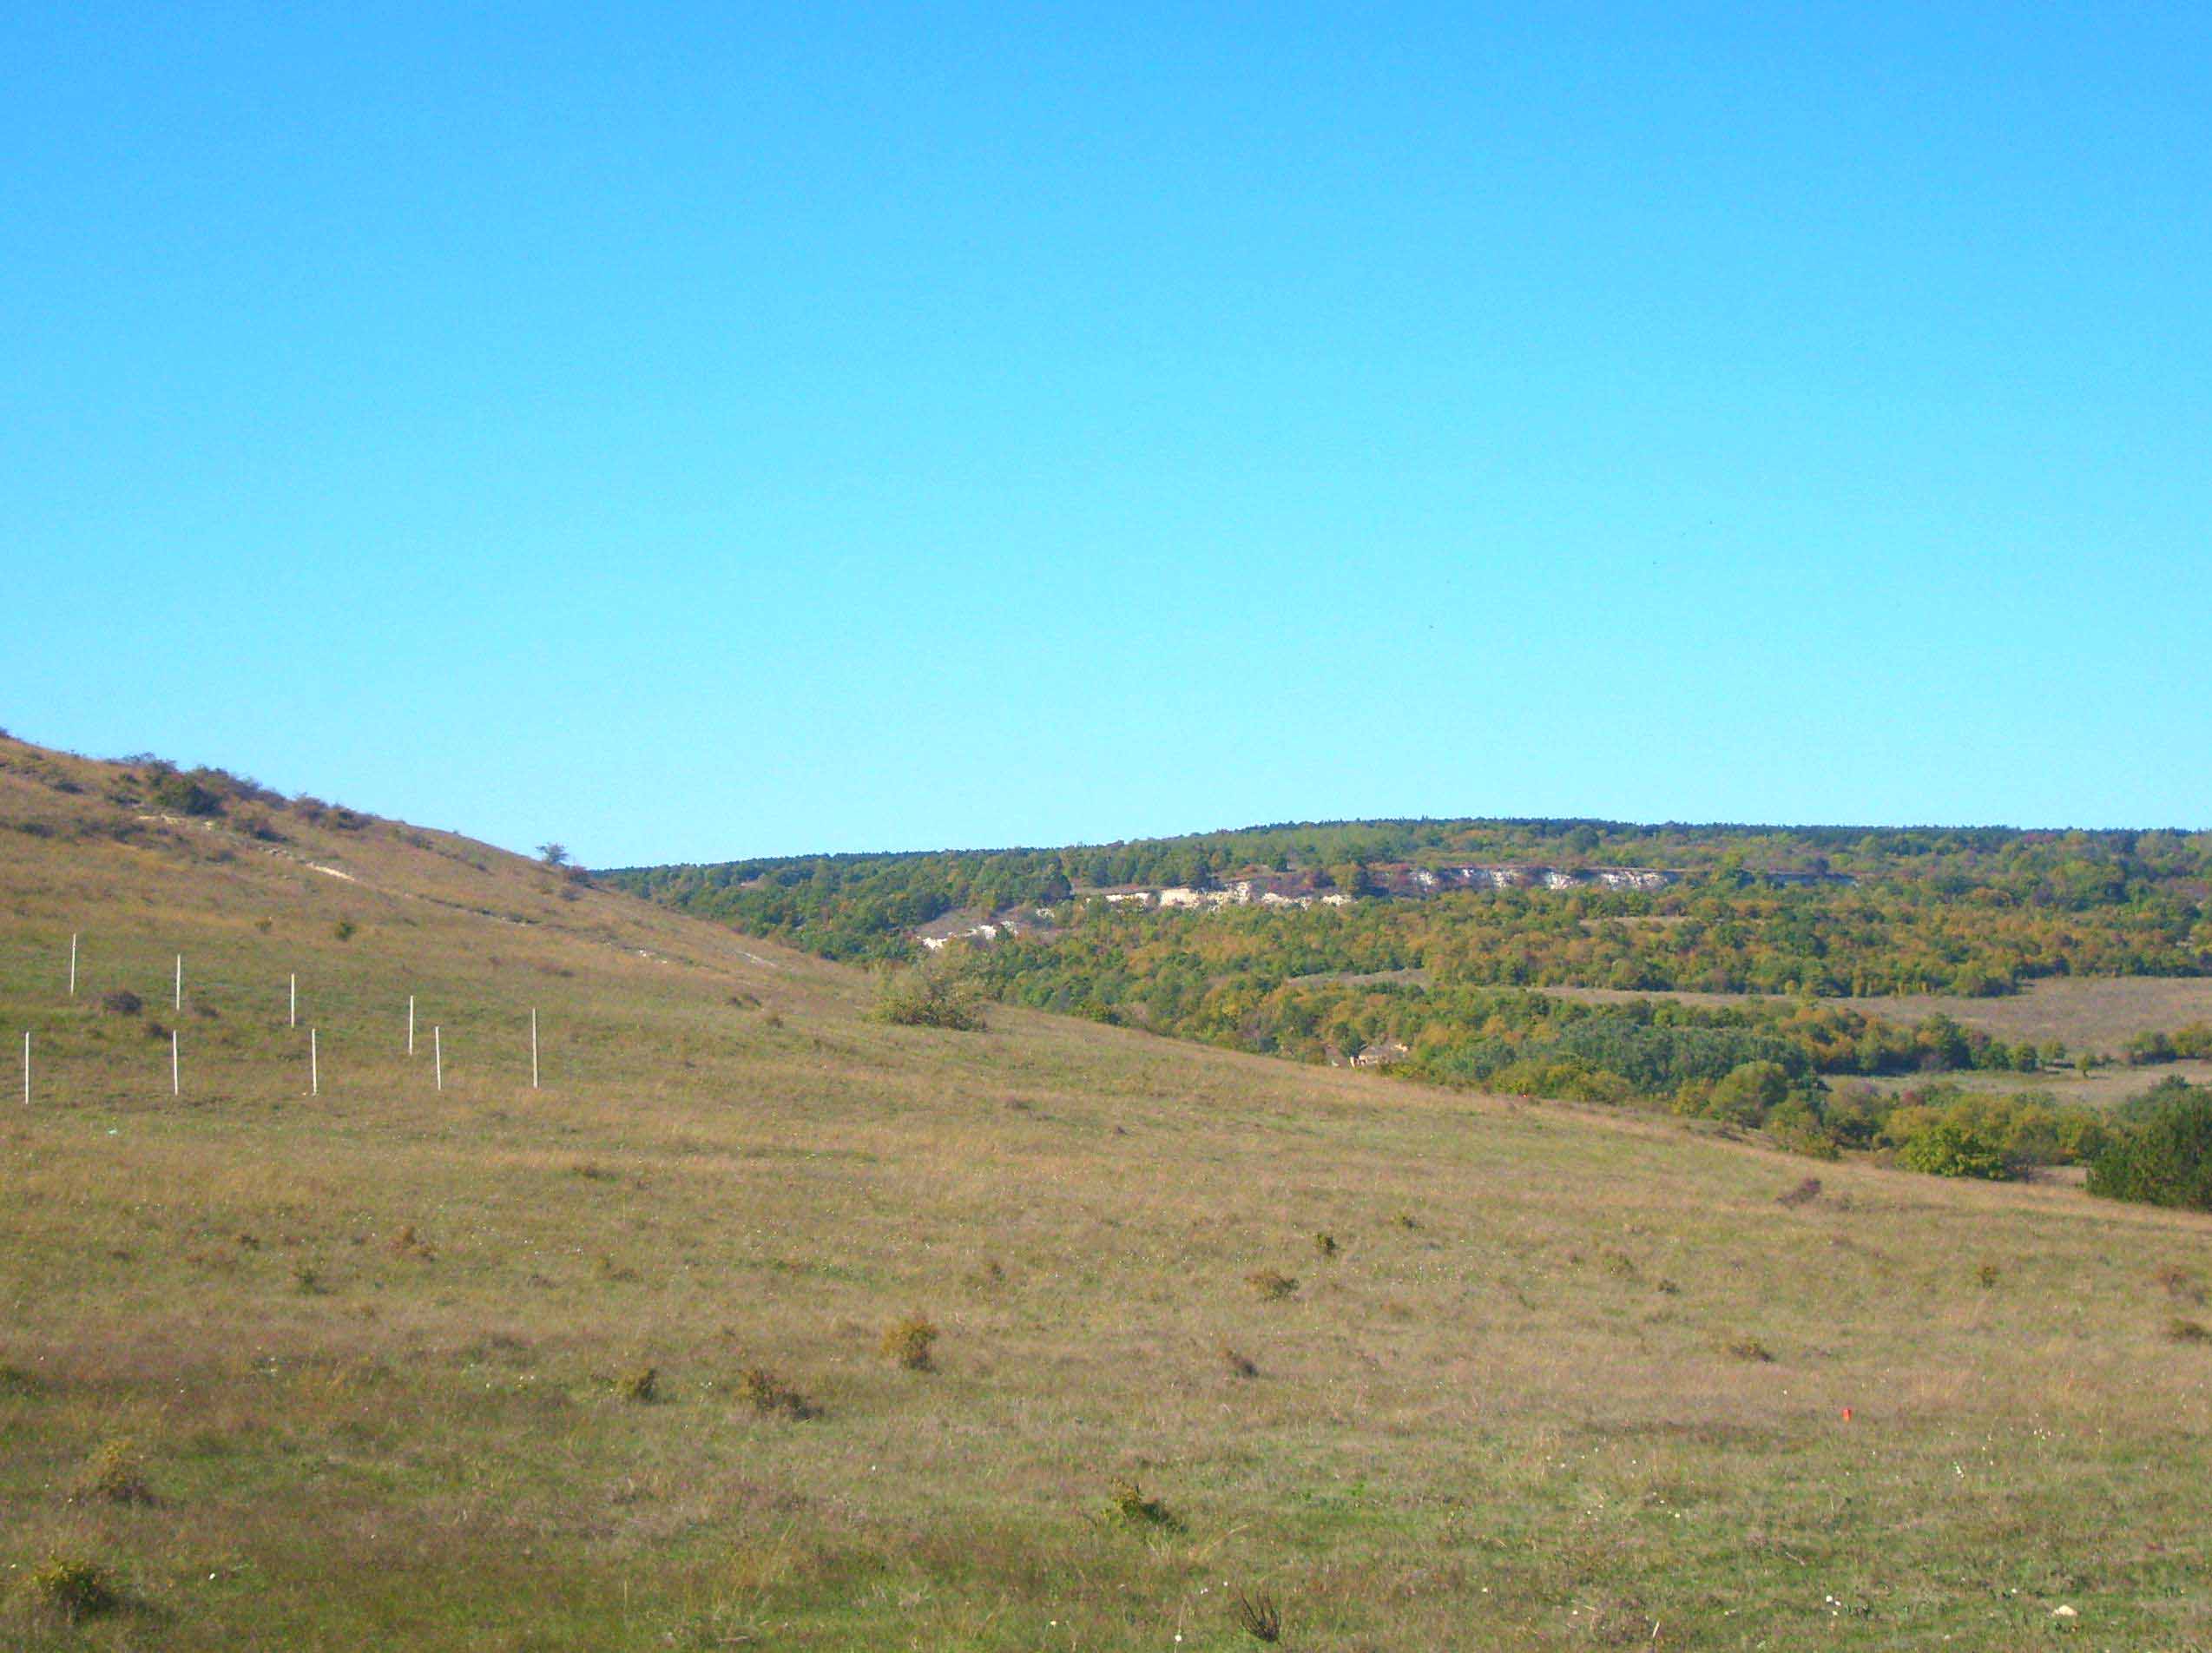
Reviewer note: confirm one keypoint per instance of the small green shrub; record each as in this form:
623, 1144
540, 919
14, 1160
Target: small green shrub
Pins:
114, 1474
74, 1588
642, 1386
1324, 1245
769, 1395
1747, 1093
910, 1343
343, 929
932, 997
173, 794
1948, 1148
1129, 1503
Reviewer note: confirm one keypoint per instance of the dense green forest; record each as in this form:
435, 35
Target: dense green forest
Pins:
1446, 985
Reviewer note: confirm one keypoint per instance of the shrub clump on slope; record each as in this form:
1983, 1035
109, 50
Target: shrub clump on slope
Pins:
2165, 1158
932, 997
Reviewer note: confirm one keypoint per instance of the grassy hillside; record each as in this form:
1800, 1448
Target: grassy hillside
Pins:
1582, 961
370, 1368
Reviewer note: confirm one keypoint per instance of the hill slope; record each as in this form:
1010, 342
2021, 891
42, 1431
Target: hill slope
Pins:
375, 1355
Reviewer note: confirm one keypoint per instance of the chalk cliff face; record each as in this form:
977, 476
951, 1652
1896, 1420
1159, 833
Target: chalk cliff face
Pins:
1548, 878
1401, 880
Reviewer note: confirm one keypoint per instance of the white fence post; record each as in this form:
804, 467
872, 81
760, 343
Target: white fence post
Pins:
533, 1047
438, 1055
72, 963
314, 1065
176, 1080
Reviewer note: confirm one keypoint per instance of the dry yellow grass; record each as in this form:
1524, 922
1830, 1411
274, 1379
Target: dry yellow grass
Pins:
1514, 1423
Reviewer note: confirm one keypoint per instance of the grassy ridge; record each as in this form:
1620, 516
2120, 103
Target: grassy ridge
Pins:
1567, 1380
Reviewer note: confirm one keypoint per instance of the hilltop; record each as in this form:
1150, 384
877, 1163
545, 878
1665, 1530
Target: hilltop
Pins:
639, 1358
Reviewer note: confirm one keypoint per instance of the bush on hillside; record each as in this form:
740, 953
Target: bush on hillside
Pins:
1747, 1093
932, 997
2146, 1049
179, 795
2165, 1161
1944, 1147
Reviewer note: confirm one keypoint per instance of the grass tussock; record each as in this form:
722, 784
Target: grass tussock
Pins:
1258, 1617
640, 1385
1239, 1365
1324, 1245
1751, 1349
71, 1588
1272, 1285
18, 1384
115, 1474
408, 1243
2180, 1284
1131, 1504
770, 1396
1804, 1194
911, 1344
2181, 1330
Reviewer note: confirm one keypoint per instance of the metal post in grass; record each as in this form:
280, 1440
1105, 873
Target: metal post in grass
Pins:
533, 1047
314, 1065
178, 1004
438, 1055
411, 1024
176, 1077
72, 963
295, 1000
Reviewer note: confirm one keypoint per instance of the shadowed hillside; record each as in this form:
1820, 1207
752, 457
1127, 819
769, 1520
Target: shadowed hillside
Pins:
642, 1358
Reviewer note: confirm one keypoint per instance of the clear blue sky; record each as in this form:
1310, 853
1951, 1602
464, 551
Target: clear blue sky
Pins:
690, 431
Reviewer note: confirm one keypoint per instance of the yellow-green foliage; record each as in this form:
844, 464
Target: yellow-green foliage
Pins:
909, 1343
115, 1474
71, 1588
764, 1392
931, 996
